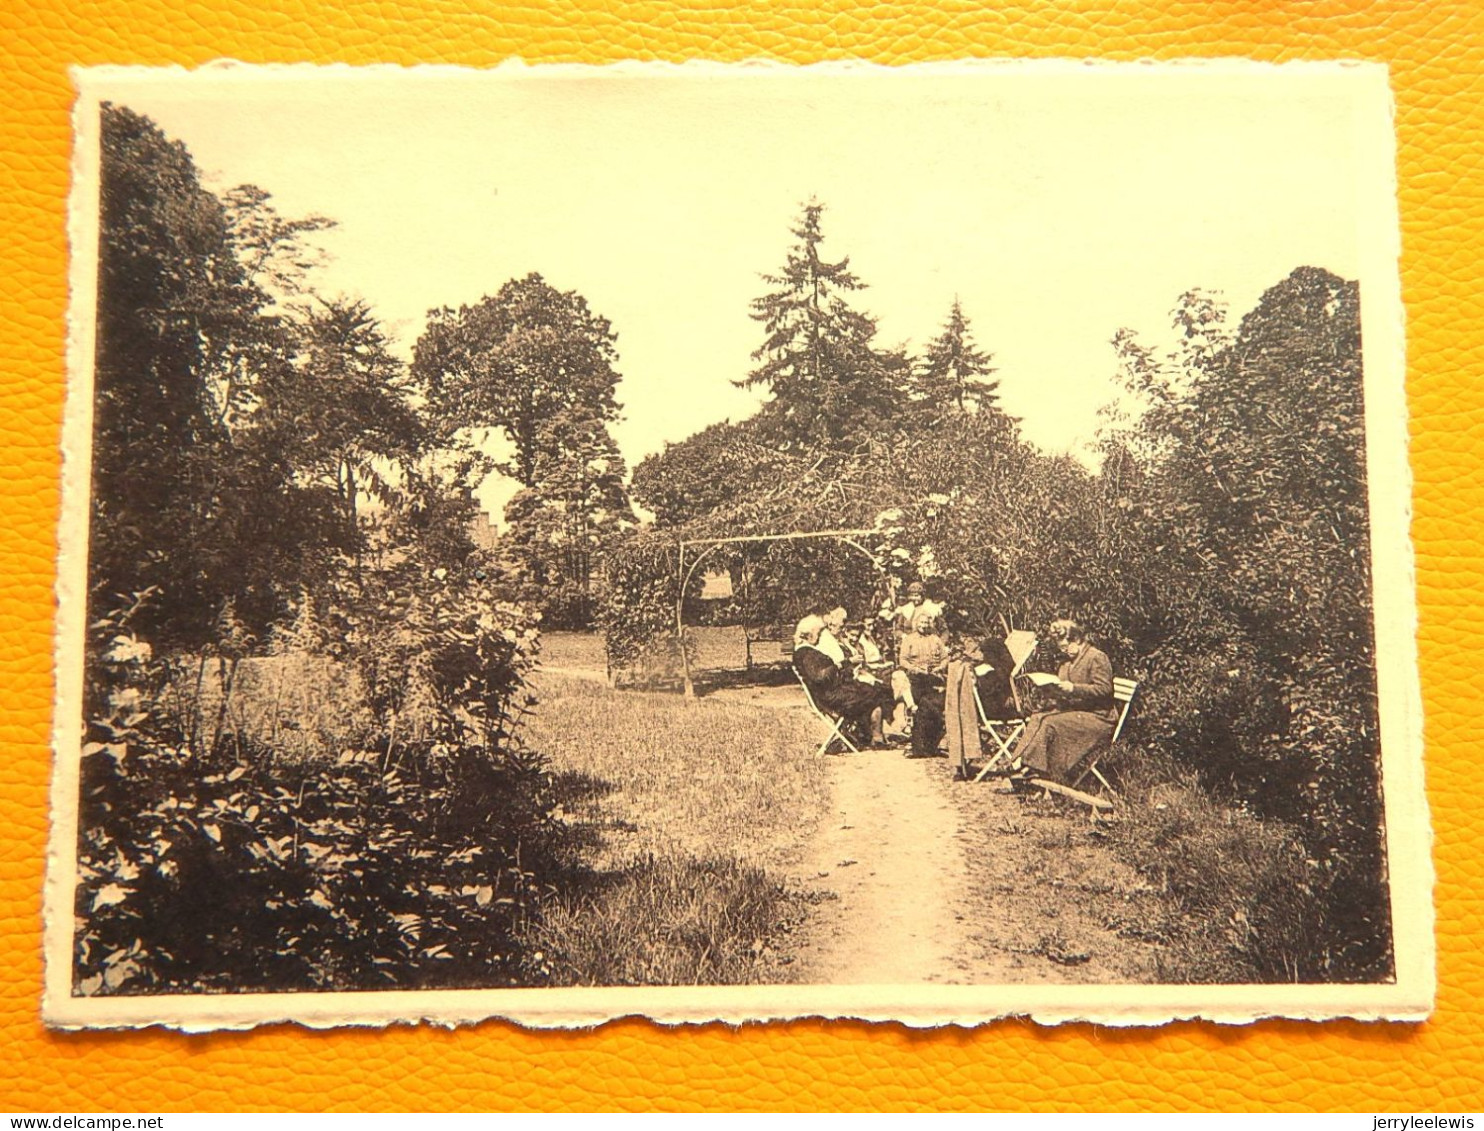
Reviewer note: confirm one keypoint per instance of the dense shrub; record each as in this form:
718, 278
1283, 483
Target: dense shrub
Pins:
636, 609
1259, 641
406, 865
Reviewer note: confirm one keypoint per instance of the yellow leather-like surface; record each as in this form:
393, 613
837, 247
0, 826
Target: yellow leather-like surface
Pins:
1436, 53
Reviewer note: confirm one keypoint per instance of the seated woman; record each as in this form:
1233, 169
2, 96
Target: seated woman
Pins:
922, 654
872, 666
874, 658
868, 656
860, 705
1058, 741
924, 657
993, 666
832, 638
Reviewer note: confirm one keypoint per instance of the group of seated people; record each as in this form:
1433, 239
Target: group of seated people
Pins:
884, 677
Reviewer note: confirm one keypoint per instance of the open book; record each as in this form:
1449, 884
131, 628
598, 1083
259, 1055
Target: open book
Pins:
1042, 679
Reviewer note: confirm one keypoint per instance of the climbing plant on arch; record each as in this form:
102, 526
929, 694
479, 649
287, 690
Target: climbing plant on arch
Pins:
796, 599
967, 509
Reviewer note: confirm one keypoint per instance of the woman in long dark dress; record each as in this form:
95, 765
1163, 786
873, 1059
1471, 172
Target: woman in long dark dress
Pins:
994, 667
860, 705
1058, 741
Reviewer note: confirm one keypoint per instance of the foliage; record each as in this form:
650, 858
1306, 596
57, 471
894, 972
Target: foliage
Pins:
829, 385
967, 507
515, 361
236, 432
537, 366
714, 470
558, 528
993, 528
636, 606
411, 866
274, 251
443, 664
173, 307
953, 372
1251, 521
347, 410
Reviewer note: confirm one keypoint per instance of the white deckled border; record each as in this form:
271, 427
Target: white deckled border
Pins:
1410, 998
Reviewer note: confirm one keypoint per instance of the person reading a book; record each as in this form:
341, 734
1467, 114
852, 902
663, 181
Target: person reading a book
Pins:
1080, 722
993, 668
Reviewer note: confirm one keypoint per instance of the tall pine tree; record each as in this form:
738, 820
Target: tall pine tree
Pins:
829, 386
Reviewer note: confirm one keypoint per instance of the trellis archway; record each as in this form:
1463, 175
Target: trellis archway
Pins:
685, 572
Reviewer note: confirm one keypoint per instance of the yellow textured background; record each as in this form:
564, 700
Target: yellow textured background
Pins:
1436, 53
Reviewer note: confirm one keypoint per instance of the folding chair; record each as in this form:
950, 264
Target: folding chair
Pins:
832, 721
1123, 692
1004, 733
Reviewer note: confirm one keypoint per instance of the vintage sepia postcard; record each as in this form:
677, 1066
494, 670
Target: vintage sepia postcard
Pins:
736, 543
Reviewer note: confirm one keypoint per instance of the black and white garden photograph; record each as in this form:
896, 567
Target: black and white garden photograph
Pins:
737, 530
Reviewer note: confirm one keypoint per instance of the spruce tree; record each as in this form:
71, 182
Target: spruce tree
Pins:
953, 371
828, 385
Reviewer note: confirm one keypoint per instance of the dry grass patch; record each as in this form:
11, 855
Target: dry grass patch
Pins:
702, 778
686, 812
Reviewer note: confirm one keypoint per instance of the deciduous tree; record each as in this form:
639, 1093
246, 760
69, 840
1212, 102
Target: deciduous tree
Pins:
513, 362
559, 527
174, 308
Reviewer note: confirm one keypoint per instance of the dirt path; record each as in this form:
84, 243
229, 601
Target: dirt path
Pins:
889, 850
912, 877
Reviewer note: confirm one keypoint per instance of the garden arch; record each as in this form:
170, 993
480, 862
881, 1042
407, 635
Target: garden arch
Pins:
685, 572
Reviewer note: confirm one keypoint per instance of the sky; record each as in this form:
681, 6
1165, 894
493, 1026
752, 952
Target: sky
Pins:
1056, 203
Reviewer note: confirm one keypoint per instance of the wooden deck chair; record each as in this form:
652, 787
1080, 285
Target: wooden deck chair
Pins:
1123, 693
834, 722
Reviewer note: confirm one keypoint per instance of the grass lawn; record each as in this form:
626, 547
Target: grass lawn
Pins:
687, 812
717, 650
579, 651
663, 774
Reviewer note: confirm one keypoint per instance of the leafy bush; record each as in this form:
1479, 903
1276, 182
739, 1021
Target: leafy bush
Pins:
334, 877
636, 609
410, 865
1252, 612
